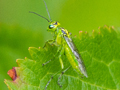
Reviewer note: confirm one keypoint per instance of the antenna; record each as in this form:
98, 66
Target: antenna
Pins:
47, 10
39, 15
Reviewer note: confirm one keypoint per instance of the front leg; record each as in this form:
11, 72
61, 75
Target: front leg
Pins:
51, 42
61, 76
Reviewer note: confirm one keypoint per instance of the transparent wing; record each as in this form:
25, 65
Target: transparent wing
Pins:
76, 54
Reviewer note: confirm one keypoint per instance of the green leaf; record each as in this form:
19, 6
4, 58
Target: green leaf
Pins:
101, 56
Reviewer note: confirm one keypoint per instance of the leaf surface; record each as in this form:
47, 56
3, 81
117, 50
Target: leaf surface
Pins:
101, 56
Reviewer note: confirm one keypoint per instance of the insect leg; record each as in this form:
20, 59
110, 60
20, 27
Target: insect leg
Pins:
60, 59
51, 42
59, 49
50, 60
50, 80
61, 76
46, 62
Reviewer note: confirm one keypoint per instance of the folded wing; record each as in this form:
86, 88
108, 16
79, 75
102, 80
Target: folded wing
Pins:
76, 54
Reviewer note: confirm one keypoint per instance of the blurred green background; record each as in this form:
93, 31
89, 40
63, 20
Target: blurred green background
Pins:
20, 29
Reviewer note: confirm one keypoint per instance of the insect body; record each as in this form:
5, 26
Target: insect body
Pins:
65, 43
62, 38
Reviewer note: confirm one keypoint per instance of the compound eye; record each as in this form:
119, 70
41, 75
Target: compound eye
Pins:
51, 26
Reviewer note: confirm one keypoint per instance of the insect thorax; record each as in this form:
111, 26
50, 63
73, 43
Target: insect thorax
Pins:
65, 32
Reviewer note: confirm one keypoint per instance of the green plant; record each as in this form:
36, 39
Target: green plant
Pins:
101, 55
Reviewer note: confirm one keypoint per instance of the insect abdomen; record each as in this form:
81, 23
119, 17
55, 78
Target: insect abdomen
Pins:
73, 61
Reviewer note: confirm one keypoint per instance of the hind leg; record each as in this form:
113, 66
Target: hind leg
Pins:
50, 80
61, 76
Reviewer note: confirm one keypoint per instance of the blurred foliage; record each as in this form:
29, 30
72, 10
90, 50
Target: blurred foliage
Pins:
14, 43
20, 29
